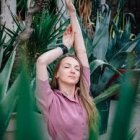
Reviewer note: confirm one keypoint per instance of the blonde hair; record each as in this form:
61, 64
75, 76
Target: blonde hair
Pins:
85, 97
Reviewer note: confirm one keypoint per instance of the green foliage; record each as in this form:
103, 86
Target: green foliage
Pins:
107, 52
8, 98
47, 31
7, 40
108, 49
8, 95
5, 75
28, 123
124, 109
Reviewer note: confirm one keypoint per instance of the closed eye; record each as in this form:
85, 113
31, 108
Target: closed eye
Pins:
66, 66
78, 69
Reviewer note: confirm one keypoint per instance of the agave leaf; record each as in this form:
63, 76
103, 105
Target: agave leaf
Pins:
121, 4
112, 48
2, 39
116, 63
130, 16
45, 35
1, 55
126, 33
59, 30
101, 73
10, 45
116, 32
99, 63
88, 43
131, 134
2, 36
16, 21
124, 108
22, 4
8, 31
123, 52
101, 38
137, 63
5, 75
97, 21
7, 105
119, 42
115, 22
132, 45
25, 112
118, 60
12, 34
107, 93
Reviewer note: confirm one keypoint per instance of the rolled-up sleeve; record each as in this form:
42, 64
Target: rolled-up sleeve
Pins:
44, 95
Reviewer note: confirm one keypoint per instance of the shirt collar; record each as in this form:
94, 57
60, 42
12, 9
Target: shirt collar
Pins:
76, 94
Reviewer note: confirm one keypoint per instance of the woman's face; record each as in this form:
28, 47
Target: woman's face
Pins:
69, 71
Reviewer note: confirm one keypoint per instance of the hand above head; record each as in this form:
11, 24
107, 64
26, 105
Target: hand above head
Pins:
70, 6
68, 37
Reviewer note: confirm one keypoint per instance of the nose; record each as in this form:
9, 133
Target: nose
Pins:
72, 70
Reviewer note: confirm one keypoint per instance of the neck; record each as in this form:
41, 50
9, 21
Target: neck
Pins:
68, 90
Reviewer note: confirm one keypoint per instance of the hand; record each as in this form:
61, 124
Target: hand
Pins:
70, 6
68, 37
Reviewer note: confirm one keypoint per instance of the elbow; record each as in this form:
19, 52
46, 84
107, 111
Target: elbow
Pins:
41, 61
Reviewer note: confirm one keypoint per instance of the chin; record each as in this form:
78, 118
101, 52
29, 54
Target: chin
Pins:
72, 82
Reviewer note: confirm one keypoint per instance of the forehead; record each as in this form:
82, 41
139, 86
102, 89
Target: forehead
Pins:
70, 60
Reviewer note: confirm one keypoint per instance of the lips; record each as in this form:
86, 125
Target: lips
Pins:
73, 77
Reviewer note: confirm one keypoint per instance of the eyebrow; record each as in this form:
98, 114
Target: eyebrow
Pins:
70, 65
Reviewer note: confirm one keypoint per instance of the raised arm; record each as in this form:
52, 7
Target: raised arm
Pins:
44, 93
48, 57
79, 44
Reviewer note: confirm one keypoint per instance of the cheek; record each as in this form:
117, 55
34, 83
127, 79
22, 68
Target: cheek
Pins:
61, 73
78, 75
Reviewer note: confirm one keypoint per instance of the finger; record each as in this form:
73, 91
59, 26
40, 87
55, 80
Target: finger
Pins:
72, 35
69, 29
65, 33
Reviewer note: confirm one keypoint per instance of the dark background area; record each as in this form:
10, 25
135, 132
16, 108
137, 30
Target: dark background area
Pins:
131, 6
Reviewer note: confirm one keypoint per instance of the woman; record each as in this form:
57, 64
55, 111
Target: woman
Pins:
66, 105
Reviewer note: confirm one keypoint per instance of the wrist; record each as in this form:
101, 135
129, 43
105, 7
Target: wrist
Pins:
68, 46
64, 48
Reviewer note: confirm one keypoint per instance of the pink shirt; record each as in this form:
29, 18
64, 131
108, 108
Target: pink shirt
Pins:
66, 118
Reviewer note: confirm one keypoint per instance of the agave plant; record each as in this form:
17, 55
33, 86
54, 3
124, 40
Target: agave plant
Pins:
123, 114
46, 34
7, 57
107, 53
7, 99
47, 30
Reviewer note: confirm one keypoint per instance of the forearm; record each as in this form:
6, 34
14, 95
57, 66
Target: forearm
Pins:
44, 60
48, 57
79, 44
